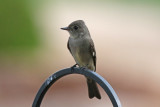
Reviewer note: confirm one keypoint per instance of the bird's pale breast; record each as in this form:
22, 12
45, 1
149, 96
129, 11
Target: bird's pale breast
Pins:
80, 51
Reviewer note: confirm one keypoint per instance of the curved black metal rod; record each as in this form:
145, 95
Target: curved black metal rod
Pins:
88, 73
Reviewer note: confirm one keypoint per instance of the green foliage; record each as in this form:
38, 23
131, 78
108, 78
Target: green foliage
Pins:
17, 32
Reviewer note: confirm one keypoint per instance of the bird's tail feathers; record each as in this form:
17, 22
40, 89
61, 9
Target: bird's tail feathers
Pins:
93, 89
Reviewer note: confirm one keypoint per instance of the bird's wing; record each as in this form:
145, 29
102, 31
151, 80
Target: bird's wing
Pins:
93, 53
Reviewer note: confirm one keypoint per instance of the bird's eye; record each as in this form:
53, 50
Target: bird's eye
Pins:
75, 27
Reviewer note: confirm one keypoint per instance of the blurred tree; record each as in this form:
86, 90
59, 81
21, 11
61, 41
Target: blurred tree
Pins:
17, 32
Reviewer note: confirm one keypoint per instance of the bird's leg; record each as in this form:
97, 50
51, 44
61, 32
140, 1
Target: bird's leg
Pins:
84, 67
72, 67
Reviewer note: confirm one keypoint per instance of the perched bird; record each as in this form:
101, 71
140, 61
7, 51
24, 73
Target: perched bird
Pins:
81, 46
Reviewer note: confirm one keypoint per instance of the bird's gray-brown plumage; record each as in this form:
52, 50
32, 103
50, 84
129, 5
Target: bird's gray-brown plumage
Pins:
82, 49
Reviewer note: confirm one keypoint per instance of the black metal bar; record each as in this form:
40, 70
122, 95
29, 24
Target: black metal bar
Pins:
88, 73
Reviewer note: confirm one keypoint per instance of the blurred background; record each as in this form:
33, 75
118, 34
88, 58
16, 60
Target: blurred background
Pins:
32, 47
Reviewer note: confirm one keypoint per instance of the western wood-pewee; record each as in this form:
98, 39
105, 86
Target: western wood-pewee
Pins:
82, 48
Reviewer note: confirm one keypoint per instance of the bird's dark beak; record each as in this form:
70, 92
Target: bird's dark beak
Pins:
65, 28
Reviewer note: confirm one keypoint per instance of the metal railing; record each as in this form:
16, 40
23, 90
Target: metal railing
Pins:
88, 73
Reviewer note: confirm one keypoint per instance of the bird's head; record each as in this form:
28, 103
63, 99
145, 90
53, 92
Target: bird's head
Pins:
77, 29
